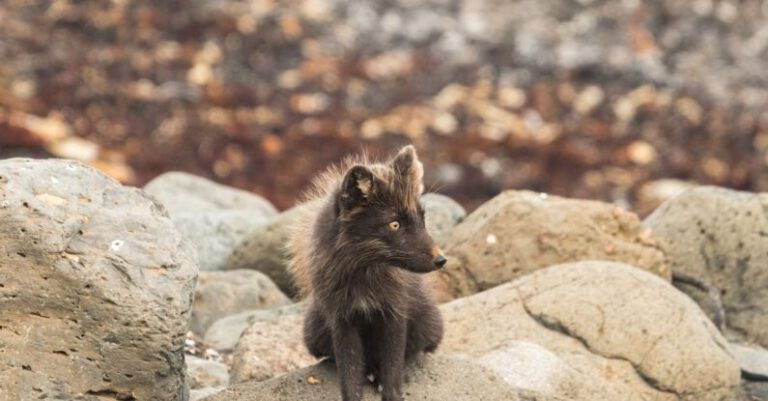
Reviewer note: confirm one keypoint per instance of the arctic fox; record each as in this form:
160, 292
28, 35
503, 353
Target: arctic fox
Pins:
359, 248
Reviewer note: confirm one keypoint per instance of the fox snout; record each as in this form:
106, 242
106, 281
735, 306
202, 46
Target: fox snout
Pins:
438, 258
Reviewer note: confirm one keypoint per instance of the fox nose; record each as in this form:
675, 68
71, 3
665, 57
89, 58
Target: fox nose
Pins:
439, 261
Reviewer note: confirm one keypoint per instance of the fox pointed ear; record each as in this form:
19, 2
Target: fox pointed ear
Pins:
358, 187
408, 166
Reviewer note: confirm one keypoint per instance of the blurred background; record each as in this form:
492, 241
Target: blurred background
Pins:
619, 100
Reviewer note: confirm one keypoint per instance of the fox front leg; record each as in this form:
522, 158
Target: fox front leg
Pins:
348, 350
391, 350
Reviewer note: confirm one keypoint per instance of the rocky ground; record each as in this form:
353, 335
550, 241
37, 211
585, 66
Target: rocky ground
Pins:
589, 99
547, 298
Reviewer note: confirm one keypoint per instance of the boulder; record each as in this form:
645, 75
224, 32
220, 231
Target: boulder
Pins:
720, 237
265, 249
270, 348
595, 330
214, 217
225, 332
585, 331
96, 287
753, 361
204, 373
755, 390
181, 192
652, 194
518, 232
203, 393
435, 378
442, 214
224, 293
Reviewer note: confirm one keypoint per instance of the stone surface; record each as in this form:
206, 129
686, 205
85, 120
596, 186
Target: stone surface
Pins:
225, 332
434, 379
203, 373
224, 293
265, 250
215, 218
96, 287
585, 331
203, 393
753, 361
755, 390
599, 331
270, 348
518, 232
181, 192
652, 194
442, 214
720, 236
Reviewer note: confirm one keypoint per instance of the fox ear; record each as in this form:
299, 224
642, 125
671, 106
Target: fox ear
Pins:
357, 188
408, 166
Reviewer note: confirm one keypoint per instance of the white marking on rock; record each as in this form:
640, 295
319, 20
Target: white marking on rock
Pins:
117, 244
491, 239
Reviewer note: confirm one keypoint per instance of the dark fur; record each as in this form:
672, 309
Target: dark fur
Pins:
369, 311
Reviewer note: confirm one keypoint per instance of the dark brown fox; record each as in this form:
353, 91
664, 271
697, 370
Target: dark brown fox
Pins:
359, 248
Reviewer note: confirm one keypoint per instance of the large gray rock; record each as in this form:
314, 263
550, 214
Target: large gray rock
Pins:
224, 293
265, 249
518, 232
215, 218
654, 193
225, 332
270, 348
433, 379
442, 214
720, 236
595, 331
96, 287
182, 192
204, 373
584, 331
753, 361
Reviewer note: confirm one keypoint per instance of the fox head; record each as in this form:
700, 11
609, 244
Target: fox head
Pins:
380, 215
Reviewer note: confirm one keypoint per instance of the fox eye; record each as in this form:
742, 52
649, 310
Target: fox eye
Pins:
394, 226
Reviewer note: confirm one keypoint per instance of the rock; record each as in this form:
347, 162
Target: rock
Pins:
652, 194
181, 192
527, 365
720, 237
585, 331
265, 250
216, 234
96, 287
442, 214
203, 393
753, 361
599, 331
224, 293
203, 373
225, 332
755, 390
518, 232
214, 217
437, 378
270, 348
